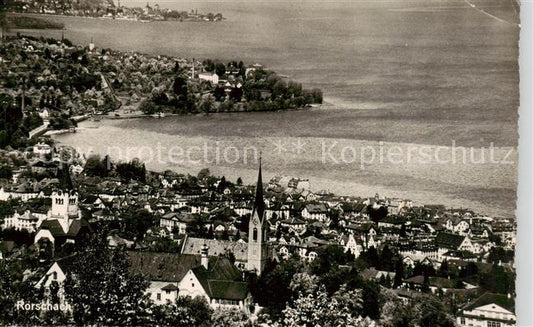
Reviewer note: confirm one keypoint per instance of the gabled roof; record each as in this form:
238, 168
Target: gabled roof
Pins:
67, 263
489, 298
193, 245
53, 226
392, 220
76, 226
293, 221
373, 273
451, 241
344, 238
222, 280
316, 208
369, 273
419, 279
90, 199
220, 268
168, 267
228, 290
364, 227
441, 282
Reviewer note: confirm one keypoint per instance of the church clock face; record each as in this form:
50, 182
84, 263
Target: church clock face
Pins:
255, 221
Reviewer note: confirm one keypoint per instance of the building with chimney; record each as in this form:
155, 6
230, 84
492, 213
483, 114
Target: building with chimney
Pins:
171, 275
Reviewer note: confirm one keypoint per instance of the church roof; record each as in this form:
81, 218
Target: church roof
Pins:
222, 280
193, 245
53, 226
227, 290
220, 268
168, 267
76, 226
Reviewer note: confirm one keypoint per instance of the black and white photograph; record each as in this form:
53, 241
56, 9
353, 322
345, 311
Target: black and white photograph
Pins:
278, 163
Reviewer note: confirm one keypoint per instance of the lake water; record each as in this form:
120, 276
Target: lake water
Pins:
401, 72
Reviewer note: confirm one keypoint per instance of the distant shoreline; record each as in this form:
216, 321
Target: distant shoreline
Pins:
42, 15
136, 14
118, 116
19, 21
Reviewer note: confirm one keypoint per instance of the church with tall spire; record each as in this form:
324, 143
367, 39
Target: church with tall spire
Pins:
257, 230
251, 255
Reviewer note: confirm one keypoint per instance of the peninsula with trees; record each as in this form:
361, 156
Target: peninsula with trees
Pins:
59, 83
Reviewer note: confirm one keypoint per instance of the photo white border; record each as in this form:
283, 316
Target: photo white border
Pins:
524, 251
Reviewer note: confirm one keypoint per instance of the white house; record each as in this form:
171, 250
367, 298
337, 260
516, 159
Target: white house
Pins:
242, 209
453, 242
22, 192
26, 221
315, 212
294, 224
162, 292
42, 149
489, 310
350, 245
57, 273
210, 77
174, 221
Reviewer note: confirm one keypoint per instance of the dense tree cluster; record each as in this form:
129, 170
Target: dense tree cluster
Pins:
101, 290
265, 90
133, 170
293, 294
14, 126
64, 82
257, 90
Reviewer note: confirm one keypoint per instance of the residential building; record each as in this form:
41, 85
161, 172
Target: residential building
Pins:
489, 310
315, 212
210, 77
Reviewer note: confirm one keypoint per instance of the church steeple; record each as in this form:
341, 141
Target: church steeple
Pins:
63, 174
259, 203
257, 230
64, 200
